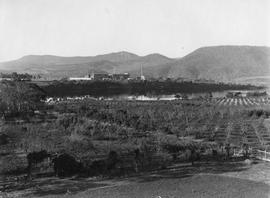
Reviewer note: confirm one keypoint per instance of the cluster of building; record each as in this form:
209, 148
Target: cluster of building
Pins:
103, 77
107, 77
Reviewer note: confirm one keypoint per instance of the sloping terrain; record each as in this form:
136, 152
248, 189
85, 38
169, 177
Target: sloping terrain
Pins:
56, 66
220, 63
223, 63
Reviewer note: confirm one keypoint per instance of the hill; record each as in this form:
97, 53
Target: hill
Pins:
221, 63
57, 67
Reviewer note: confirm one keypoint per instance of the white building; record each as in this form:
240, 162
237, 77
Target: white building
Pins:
87, 77
80, 78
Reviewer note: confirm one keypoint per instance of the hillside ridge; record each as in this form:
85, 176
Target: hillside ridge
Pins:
220, 63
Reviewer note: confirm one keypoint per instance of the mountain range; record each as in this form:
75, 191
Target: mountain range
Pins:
220, 63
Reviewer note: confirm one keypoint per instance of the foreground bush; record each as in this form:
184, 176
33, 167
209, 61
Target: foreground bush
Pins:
13, 164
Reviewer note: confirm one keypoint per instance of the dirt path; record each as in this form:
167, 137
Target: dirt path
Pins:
258, 172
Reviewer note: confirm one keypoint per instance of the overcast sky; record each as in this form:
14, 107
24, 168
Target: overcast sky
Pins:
90, 27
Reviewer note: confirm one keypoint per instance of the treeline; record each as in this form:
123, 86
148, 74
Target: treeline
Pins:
64, 89
16, 77
18, 98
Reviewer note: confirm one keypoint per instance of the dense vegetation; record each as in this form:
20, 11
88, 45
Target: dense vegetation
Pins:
16, 77
108, 88
19, 98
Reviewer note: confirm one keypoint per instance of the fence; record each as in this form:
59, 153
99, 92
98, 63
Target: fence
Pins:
263, 155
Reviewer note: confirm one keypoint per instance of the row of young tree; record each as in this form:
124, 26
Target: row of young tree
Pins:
105, 136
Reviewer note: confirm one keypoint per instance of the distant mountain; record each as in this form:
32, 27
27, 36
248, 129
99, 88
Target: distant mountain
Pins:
57, 67
44, 61
221, 63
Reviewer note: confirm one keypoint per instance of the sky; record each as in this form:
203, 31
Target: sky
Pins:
89, 27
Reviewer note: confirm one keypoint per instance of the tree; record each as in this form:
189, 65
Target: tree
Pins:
19, 97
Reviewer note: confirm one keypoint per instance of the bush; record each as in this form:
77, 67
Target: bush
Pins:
13, 164
258, 113
163, 160
4, 139
112, 160
98, 167
66, 165
171, 144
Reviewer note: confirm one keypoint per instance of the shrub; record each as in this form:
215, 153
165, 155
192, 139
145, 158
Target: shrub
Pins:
66, 165
171, 144
97, 167
13, 164
112, 159
163, 160
258, 113
4, 139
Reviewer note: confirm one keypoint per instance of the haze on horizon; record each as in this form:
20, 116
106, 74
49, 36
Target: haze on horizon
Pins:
90, 27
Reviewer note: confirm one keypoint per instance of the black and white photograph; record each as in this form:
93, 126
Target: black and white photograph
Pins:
134, 99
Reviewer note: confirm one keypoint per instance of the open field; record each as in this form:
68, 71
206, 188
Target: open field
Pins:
207, 186
211, 179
